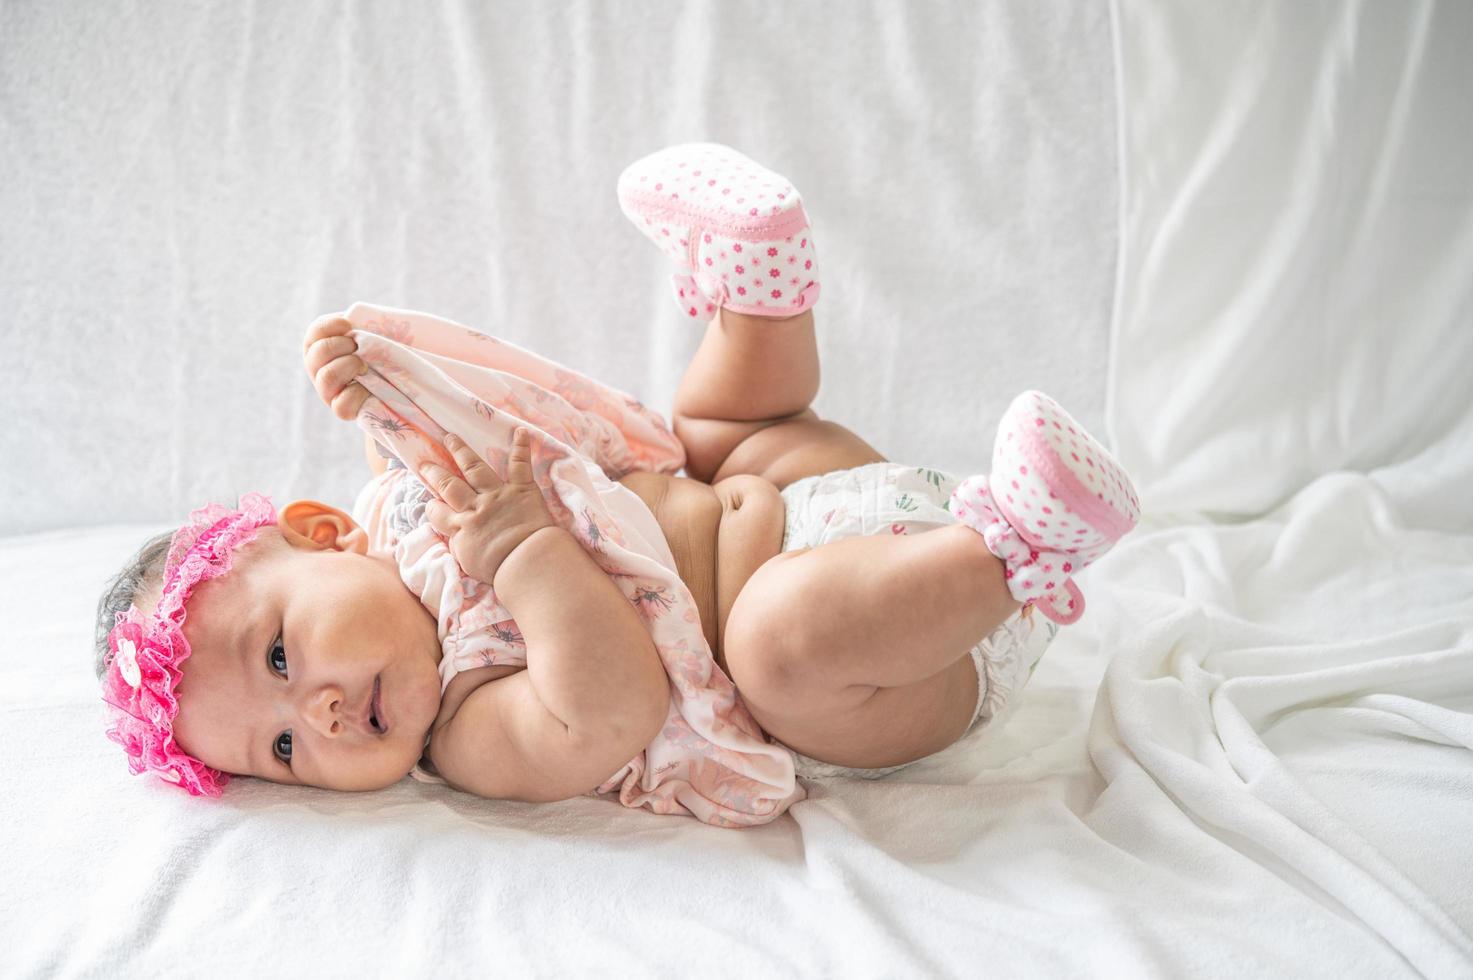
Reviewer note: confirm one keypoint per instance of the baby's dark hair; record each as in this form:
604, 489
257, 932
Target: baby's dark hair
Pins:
143, 574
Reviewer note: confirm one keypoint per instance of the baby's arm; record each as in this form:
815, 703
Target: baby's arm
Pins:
594, 693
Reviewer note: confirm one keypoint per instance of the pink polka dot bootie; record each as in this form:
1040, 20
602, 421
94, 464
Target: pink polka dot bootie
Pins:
1055, 501
737, 230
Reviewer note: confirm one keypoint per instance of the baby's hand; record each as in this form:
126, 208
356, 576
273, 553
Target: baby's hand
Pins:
483, 518
332, 363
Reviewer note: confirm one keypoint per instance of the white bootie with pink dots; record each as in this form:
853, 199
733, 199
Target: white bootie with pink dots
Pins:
1055, 501
736, 230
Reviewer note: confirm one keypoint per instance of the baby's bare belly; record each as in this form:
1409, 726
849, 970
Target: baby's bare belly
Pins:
719, 534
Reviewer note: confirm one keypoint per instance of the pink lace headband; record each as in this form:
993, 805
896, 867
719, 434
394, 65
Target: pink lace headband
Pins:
145, 651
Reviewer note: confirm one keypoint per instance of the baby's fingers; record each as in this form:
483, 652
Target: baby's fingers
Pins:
330, 325
519, 463
323, 352
349, 402
437, 515
478, 473
336, 376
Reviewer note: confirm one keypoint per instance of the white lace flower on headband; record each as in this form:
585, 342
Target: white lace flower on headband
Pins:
127, 661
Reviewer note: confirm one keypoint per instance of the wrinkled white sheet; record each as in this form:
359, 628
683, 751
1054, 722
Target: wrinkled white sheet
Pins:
1288, 722
1281, 737
1250, 758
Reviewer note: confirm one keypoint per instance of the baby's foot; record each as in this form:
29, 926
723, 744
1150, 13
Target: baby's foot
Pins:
736, 230
1055, 501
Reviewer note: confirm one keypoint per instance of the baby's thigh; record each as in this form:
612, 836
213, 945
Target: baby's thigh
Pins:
788, 676
785, 452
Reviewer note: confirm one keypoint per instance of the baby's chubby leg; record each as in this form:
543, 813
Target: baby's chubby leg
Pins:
751, 369
743, 404
854, 652
740, 239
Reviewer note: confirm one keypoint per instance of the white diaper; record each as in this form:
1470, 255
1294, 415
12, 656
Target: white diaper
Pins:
889, 498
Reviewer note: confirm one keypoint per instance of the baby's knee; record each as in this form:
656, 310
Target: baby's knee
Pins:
766, 635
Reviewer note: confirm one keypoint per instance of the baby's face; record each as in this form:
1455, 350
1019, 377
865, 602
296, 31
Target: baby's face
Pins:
287, 651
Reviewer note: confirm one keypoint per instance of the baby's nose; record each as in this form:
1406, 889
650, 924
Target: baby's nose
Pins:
324, 710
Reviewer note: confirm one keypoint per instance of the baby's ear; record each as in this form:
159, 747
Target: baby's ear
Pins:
315, 525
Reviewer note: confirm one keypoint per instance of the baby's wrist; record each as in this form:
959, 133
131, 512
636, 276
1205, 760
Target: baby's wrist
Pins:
536, 545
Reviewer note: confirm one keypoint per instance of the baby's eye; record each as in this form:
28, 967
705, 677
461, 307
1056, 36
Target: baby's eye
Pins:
283, 746
278, 652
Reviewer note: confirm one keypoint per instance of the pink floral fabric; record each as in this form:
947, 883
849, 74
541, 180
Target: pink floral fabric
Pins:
428, 376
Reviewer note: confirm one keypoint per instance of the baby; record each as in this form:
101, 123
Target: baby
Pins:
868, 613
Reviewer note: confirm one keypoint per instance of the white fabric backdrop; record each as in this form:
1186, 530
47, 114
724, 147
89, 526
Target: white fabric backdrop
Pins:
1294, 296
1249, 758
186, 188
1288, 713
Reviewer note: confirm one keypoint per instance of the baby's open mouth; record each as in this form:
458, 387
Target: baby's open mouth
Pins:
376, 709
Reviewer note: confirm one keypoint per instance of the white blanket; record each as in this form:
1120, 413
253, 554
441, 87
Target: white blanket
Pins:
1282, 737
